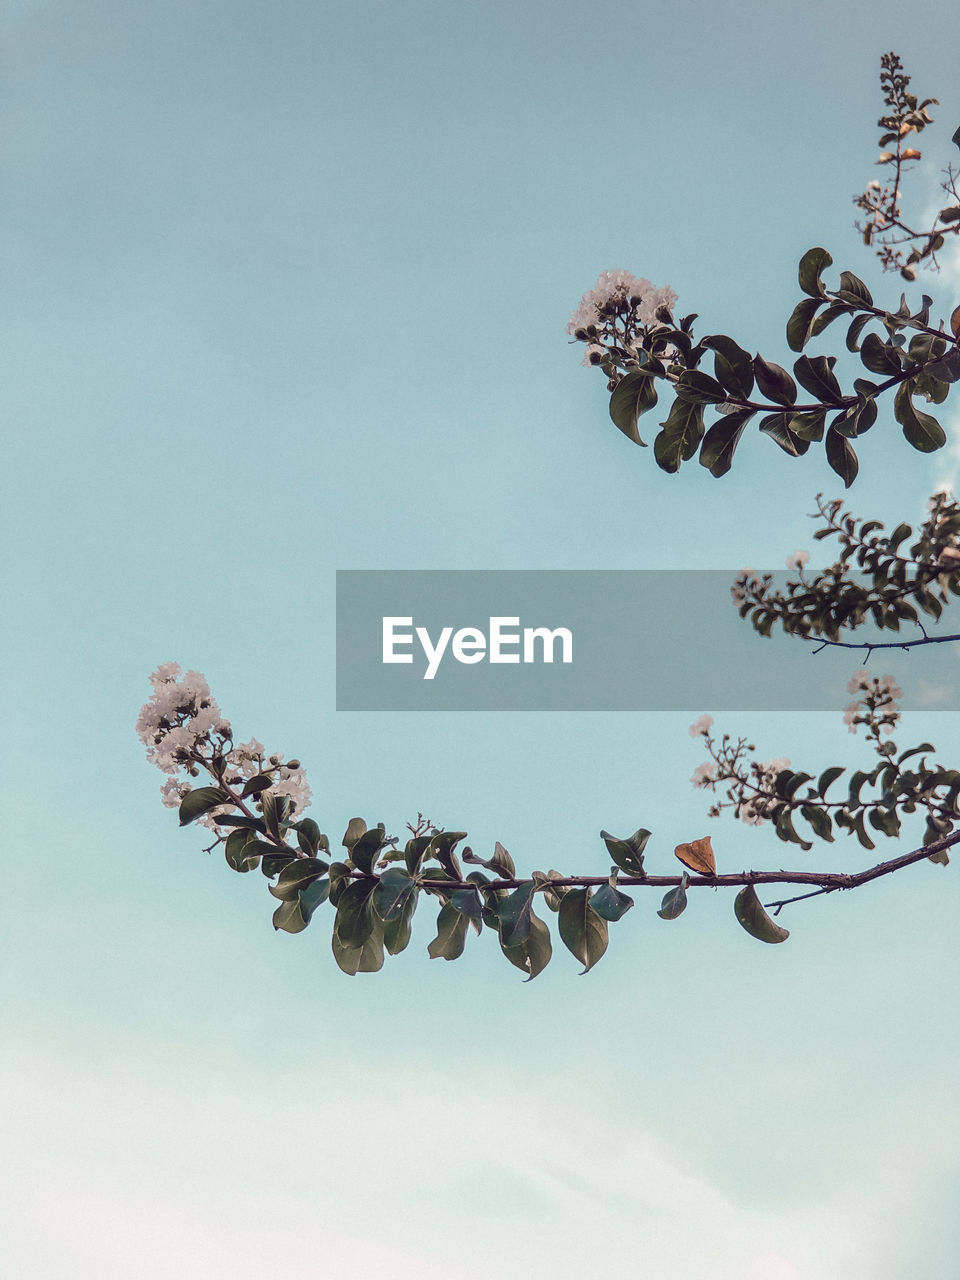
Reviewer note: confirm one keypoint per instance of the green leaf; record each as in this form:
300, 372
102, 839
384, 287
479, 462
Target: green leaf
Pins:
807, 426
610, 903
366, 848
813, 263
533, 954
396, 932
879, 356
289, 917
856, 328
828, 777
442, 848
855, 289
392, 894
467, 902
777, 427
367, 958
675, 900
732, 365
501, 863
842, 457
584, 933
196, 803
297, 875
921, 430
258, 784
816, 376
356, 920
720, 442
355, 829
451, 934
276, 811
819, 820
699, 388
627, 854
272, 863
234, 851
313, 896
751, 915
514, 913
632, 397
774, 382
800, 323
310, 838
681, 434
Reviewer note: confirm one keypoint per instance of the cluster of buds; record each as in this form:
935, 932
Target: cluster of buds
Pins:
877, 707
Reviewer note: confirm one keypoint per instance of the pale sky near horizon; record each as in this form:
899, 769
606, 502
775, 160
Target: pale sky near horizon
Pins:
286, 293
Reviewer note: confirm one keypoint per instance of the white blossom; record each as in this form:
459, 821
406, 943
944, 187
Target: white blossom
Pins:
613, 286
705, 775
798, 559
701, 726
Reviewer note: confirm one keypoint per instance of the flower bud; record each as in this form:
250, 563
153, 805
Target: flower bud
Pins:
908, 273
293, 764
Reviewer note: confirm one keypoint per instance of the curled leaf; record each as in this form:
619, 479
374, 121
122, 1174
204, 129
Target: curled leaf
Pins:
751, 915
698, 856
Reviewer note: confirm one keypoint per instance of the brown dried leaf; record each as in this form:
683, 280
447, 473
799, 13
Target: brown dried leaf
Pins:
698, 856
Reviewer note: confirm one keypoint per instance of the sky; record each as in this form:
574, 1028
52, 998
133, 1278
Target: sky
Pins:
286, 290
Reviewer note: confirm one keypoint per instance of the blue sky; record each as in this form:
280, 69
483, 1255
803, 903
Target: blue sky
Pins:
286, 292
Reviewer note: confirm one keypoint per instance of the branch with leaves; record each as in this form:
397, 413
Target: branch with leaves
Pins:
255, 805
874, 580
630, 334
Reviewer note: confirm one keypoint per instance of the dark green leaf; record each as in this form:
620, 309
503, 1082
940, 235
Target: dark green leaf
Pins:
680, 437
584, 933
501, 863
366, 848
732, 365
627, 854
801, 322
819, 820
356, 919
310, 838
312, 896
813, 263
777, 427
289, 917
234, 851
297, 875
855, 289
260, 783
816, 376
842, 457
828, 777
721, 440
533, 954
774, 382
675, 900
367, 958
633, 396
751, 915
698, 387
276, 811
392, 894
514, 913
879, 356
610, 903
451, 934
196, 803
355, 829
921, 430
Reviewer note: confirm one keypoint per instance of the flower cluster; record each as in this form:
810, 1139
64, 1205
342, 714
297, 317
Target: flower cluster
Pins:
617, 313
184, 731
877, 707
